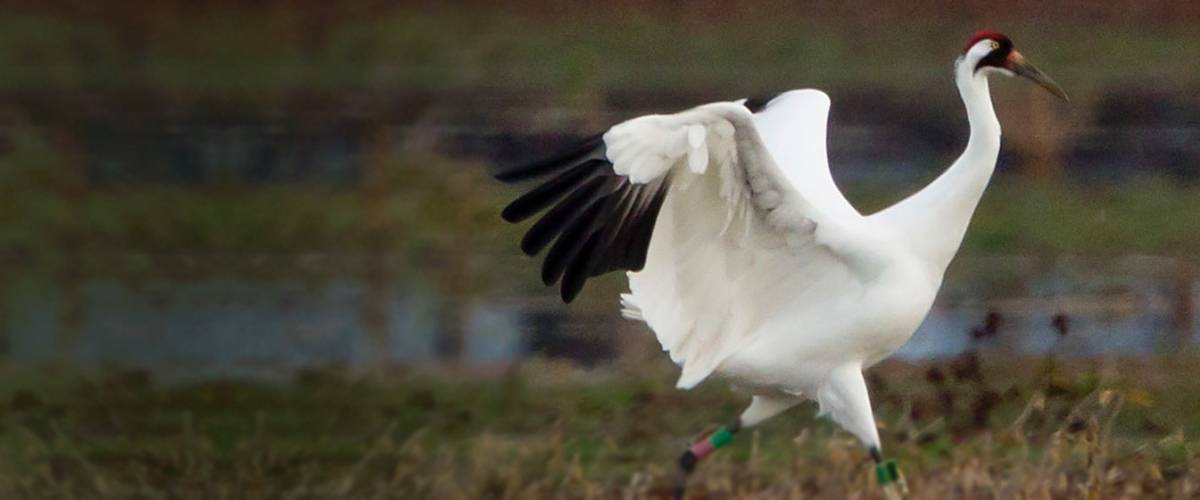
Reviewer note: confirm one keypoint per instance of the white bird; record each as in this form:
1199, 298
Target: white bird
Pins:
743, 256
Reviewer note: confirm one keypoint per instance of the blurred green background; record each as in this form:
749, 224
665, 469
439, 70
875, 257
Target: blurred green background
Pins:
251, 249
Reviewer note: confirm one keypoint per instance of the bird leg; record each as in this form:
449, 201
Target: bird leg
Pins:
761, 408
701, 449
888, 474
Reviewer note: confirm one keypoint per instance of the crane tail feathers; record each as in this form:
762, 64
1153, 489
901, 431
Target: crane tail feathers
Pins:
630, 309
691, 377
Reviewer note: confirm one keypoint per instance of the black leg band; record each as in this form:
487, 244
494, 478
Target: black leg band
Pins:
687, 462
689, 459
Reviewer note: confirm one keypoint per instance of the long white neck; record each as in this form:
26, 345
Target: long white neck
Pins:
934, 220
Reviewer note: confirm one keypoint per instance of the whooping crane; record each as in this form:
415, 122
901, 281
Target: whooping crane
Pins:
743, 256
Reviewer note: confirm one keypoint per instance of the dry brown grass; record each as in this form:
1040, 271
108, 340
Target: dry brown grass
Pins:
546, 430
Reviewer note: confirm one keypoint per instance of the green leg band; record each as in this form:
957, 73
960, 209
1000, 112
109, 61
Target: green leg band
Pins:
887, 472
721, 438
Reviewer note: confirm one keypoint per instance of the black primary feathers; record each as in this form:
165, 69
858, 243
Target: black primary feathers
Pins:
598, 220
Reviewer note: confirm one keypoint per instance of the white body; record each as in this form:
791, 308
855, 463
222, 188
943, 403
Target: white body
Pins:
760, 272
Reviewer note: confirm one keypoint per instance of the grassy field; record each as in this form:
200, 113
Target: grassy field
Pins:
962, 428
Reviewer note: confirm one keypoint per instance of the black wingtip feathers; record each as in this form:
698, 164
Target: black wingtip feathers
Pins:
598, 220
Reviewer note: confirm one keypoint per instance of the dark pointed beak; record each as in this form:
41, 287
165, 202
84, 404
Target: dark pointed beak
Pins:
1017, 64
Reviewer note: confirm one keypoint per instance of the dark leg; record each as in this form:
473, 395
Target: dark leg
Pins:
701, 449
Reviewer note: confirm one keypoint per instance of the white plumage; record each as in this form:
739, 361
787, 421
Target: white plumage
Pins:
744, 258
755, 278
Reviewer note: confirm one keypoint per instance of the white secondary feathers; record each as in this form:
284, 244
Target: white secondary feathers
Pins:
646, 148
793, 128
735, 238
697, 153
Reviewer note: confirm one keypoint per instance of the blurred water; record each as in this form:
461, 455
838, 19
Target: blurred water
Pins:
223, 326
229, 327
226, 327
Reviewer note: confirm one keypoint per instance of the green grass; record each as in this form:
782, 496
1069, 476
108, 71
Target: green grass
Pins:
546, 430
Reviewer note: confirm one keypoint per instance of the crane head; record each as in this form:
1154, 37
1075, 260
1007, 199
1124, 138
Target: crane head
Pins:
990, 51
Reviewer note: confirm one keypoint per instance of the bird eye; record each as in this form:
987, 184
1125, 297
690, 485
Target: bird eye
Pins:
995, 45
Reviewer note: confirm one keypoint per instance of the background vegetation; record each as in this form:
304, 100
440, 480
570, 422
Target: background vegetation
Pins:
181, 143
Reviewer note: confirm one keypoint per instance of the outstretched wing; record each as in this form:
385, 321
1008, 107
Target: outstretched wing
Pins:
602, 220
695, 205
793, 127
